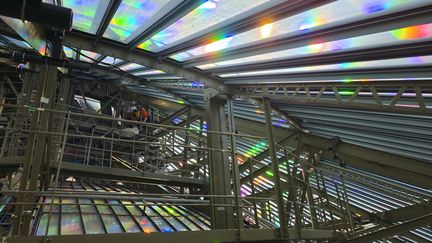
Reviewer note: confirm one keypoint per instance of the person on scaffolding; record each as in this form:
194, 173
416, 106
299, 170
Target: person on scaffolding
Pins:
140, 115
135, 114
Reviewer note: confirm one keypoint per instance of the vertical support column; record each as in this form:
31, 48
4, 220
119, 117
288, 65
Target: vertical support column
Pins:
56, 124
264, 216
27, 161
234, 165
296, 199
2, 100
309, 196
186, 167
32, 162
275, 169
263, 210
200, 153
220, 181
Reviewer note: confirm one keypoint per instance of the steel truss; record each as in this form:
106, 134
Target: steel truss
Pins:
412, 97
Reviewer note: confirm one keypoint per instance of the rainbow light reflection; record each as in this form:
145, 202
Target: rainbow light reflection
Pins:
149, 72
311, 22
208, 14
130, 66
69, 52
396, 62
89, 56
377, 6
413, 32
88, 14
134, 16
256, 149
331, 13
29, 33
393, 37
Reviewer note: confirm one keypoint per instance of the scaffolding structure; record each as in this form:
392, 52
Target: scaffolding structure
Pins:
48, 144
235, 149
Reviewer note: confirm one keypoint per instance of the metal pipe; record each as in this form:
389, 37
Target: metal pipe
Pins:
20, 56
38, 12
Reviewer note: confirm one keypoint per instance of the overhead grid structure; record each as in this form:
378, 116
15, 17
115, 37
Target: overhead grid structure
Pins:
270, 121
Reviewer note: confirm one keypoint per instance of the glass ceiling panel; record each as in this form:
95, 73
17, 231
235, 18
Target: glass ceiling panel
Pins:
165, 77
108, 61
16, 42
208, 14
397, 62
53, 226
117, 217
69, 52
71, 224
88, 14
148, 72
346, 10
393, 37
93, 224
130, 67
135, 16
161, 224
129, 224
111, 224
145, 224
89, 56
29, 33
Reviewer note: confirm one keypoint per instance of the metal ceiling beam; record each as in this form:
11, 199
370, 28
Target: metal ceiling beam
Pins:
380, 53
105, 47
419, 72
178, 85
123, 78
258, 102
282, 10
203, 236
387, 22
394, 230
111, 10
361, 95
